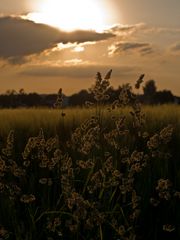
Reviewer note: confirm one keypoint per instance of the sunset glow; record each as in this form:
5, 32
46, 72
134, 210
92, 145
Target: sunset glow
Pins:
70, 15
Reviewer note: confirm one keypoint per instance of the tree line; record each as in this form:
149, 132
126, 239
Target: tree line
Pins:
150, 95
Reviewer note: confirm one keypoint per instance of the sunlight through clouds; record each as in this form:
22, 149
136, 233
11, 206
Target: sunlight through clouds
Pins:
69, 15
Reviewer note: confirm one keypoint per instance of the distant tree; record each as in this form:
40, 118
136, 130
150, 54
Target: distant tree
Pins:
11, 92
149, 92
10, 98
164, 96
21, 98
79, 99
33, 99
149, 88
21, 91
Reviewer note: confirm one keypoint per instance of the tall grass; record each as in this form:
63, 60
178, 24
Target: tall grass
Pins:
96, 173
31, 120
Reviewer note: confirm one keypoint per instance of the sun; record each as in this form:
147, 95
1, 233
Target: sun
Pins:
70, 15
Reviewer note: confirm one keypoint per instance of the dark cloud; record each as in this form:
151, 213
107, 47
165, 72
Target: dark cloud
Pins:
120, 47
130, 45
146, 50
81, 36
20, 38
77, 71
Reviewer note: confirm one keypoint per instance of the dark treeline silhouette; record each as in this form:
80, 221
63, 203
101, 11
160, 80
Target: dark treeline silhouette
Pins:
13, 99
152, 96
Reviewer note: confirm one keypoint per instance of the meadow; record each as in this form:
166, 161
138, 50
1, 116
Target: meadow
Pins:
101, 172
28, 121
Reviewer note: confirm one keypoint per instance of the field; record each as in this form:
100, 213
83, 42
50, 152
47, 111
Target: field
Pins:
96, 173
29, 121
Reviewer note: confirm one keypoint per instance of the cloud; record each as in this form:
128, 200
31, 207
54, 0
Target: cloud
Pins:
15, 6
78, 49
120, 47
164, 30
74, 61
20, 38
146, 50
123, 30
80, 71
176, 47
82, 36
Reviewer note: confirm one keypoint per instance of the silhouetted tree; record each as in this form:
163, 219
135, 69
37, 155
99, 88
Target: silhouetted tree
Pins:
80, 98
149, 88
164, 96
149, 91
21, 91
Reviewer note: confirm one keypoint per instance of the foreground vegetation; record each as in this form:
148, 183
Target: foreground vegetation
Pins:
96, 173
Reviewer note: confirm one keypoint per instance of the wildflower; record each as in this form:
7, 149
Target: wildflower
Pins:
17, 171
163, 184
124, 151
26, 163
125, 95
166, 134
85, 164
116, 173
89, 104
153, 142
163, 188
101, 87
126, 185
121, 230
59, 100
135, 199
168, 228
139, 81
8, 150
27, 198
85, 138
43, 181
47, 181
53, 224
31, 144
108, 165
137, 161
51, 143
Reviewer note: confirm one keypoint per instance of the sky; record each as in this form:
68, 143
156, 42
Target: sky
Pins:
50, 44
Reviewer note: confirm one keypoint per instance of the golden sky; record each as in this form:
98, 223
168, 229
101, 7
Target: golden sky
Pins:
48, 44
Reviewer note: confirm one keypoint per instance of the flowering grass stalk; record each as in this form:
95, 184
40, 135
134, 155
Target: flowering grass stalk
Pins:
101, 181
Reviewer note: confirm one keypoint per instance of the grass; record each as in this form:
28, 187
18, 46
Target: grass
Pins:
115, 175
31, 120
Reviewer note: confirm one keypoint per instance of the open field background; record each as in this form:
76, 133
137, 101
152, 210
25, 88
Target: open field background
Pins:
27, 122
